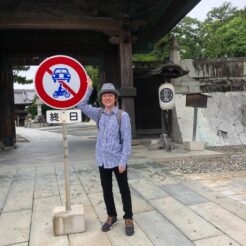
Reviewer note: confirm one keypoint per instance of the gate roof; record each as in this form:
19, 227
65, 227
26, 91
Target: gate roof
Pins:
90, 23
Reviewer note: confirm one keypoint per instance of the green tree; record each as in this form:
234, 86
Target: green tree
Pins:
188, 37
221, 14
223, 32
145, 57
232, 38
20, 79
162, 48
32, 108
93, 72
188, 34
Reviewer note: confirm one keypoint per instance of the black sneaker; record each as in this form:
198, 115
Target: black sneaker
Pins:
129, 227
111, 221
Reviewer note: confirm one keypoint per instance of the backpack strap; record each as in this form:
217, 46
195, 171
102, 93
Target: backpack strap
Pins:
99, 116
119, 114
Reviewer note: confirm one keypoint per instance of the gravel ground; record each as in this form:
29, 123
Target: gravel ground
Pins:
234, 159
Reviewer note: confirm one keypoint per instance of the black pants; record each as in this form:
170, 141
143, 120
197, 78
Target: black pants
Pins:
106, 181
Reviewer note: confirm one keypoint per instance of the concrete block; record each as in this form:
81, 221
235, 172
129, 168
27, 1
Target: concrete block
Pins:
193, 145
67, 222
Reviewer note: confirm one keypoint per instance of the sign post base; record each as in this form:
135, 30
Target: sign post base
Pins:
67, 222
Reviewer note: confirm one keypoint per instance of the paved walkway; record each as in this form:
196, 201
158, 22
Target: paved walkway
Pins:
170, 208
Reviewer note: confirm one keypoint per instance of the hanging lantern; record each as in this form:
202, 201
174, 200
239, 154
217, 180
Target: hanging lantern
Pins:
166, 96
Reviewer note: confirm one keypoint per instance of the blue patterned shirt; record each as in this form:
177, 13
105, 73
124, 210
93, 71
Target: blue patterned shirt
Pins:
109, 151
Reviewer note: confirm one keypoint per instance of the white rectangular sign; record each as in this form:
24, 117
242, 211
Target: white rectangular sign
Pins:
63, 116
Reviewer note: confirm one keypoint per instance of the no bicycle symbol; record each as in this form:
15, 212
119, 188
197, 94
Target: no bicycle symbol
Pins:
60, 82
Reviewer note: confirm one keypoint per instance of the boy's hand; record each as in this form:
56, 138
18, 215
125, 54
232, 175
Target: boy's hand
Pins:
122, 169
89, 81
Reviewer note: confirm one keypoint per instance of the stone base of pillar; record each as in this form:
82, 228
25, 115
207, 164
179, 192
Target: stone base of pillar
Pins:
193, 145
68, 222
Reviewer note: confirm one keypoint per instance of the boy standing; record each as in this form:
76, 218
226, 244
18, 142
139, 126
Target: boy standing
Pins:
113, 149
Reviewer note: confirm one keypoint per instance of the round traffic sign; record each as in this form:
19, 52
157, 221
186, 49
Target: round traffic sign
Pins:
61, 82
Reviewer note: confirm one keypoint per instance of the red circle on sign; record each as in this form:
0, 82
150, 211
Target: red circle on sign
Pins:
45, 67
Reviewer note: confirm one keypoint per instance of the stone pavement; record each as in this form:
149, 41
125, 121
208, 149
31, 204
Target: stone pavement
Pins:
170, 208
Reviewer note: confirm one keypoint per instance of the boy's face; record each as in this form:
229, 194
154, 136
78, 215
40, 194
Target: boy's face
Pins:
109, 100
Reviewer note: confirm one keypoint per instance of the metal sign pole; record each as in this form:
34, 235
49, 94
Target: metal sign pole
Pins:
194, 124
66, 168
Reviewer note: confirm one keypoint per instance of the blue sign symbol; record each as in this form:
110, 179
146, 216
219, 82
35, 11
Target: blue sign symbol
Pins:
61, 92
61, 74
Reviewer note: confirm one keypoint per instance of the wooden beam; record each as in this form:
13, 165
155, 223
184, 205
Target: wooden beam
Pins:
93, 24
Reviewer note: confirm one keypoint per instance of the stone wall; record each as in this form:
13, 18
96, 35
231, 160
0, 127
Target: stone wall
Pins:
223, 122
225, 74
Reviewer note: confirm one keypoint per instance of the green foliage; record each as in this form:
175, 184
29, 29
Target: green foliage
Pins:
32, 108
188, 34
228, 40
20, 79
223, 33
145, 57
93, 72
162, 48
219, 31
221, 14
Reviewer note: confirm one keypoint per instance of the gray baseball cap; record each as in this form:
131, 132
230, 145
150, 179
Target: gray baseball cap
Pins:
108, 88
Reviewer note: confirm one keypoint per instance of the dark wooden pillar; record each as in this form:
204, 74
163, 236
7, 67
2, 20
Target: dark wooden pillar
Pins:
127, 90
112, 66
7, 117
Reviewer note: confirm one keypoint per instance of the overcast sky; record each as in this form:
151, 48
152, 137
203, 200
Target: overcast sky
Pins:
198, 12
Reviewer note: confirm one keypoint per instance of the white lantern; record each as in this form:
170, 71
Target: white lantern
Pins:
166, 96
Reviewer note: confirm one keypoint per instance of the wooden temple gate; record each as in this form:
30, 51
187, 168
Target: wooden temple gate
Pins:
103, 33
